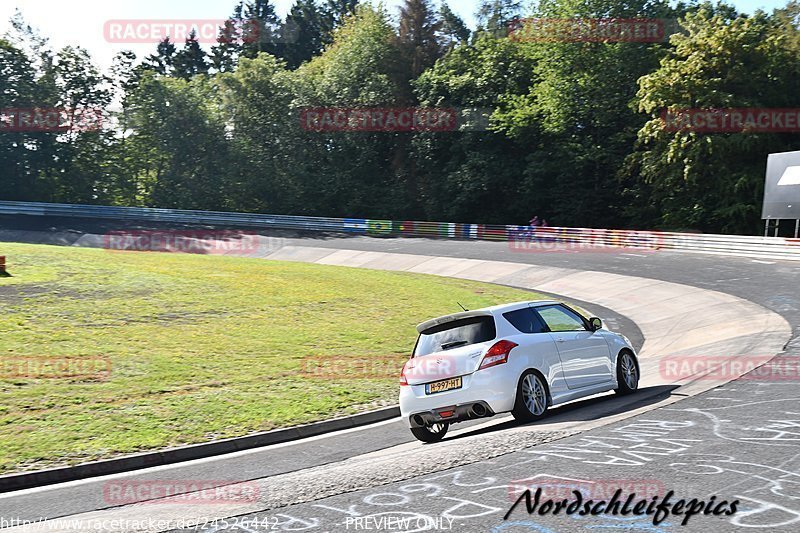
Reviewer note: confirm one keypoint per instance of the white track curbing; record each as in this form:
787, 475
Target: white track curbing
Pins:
675, 319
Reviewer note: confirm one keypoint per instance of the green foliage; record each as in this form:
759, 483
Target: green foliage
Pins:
191, 61
472, 176
418, 35
574, 133
178, 127
453, 30
306, 32
258, 98
494, 16
361, 67
714, 181
354, 173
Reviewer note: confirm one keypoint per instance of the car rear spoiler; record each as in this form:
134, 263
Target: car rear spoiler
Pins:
451, 318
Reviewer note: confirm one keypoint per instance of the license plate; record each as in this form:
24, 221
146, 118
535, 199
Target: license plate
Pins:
441, 386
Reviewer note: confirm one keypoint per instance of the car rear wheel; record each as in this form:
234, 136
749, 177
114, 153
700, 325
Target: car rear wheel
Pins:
531, 403
627, 374
433, 433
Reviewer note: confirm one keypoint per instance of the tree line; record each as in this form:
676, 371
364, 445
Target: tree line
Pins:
574, 128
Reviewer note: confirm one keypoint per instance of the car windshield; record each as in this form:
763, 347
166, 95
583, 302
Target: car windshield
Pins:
472, 330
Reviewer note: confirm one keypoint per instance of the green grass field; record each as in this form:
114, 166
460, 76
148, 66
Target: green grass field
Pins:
201, 347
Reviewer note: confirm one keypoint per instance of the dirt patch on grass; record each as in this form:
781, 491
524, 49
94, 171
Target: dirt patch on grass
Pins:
13, 294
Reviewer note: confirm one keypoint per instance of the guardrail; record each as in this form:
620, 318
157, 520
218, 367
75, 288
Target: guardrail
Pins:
520, 238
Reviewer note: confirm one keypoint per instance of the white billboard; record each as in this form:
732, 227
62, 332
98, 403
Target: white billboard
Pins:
782, 188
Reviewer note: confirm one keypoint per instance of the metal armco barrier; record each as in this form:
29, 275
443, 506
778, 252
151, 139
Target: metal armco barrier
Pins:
523, 239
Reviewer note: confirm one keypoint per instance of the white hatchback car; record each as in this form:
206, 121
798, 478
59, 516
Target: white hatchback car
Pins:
520, 358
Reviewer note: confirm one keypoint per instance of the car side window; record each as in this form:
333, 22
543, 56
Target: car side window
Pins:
525, 320
559, 318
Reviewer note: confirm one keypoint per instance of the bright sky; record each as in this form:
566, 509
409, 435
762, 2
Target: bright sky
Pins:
81, 22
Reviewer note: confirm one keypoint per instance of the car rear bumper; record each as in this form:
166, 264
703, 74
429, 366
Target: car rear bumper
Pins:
494, 388
452, 414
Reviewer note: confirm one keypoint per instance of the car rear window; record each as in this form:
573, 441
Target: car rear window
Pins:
472, 330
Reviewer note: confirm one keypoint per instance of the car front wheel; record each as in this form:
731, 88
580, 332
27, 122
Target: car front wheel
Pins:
433, 433
627, 374
531, 403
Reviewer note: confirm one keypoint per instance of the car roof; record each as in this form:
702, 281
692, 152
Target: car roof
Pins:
516, 305
486, 311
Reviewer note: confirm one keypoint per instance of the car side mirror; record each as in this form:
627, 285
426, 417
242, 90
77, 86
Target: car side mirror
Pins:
595, 323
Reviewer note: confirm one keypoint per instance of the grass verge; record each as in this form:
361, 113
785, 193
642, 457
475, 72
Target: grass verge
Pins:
199, 347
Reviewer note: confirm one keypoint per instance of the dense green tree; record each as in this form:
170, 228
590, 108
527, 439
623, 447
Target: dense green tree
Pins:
305, 32
178, 137
353, 172
80, 173
264, 137
190, 60
124, 75
17, 90
162, 61
338, 11
418, 36
260, 28
225, 54
788, 20
713, 181
472, 175
453, 30
580, 106
495, 16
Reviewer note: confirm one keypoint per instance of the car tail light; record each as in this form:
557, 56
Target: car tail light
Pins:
403, 378
497, 354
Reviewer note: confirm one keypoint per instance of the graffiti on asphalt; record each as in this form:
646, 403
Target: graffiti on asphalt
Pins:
679, 445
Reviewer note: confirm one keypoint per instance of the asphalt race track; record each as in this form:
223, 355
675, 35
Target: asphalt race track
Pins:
739, 441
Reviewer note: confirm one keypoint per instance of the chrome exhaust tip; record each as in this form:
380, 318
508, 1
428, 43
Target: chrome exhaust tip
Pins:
478, 410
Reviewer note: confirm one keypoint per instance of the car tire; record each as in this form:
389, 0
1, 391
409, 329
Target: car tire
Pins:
433, 433
627, 374
532, 402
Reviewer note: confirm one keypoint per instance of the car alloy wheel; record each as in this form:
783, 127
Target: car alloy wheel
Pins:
627, 374
532, 401
533, 395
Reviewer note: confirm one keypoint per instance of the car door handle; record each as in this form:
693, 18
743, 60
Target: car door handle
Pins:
561, 340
